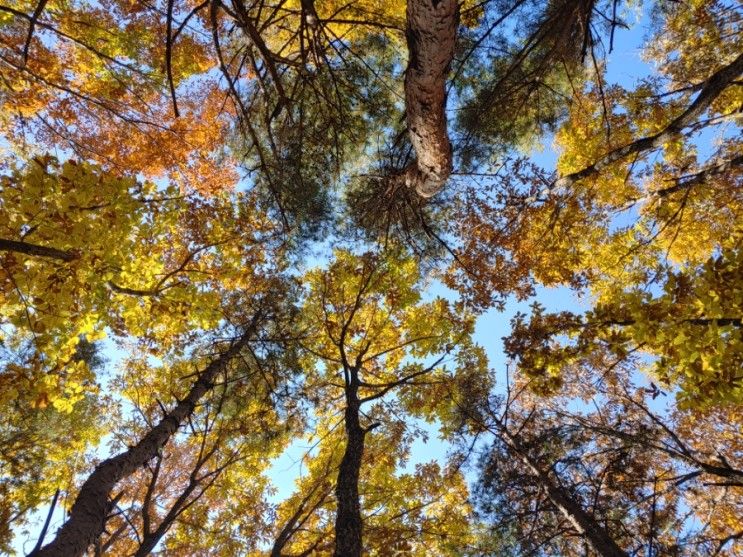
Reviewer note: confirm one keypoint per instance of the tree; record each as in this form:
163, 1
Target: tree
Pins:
374, 344
614, 473
34, 464
211, 472
93, 504
692, 328
626, 230
203, 149
516, 86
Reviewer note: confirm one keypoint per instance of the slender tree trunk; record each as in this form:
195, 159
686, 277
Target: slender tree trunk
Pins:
151, 538
348, 526
582, 521
601, 542
87, 517
300, 516
431, 34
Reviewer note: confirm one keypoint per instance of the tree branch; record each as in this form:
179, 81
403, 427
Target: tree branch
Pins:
31, 26
710, 91
36, 250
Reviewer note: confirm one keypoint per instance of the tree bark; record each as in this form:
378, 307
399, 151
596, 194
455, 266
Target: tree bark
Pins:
87, 517
348, 525
431, 36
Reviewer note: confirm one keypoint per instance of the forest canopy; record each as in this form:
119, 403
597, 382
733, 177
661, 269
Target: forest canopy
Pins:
424, 277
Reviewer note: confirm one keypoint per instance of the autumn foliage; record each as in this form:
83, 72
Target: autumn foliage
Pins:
256, 261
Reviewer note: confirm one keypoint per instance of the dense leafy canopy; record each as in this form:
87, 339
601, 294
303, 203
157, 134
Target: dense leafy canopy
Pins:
170, 167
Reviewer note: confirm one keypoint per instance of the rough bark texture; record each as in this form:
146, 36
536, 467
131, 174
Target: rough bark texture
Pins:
88, 515
348, 526
431, 35
710, 91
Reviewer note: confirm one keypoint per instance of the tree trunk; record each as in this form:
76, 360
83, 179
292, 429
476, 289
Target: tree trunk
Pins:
297, 519
88, 515
151, 539
601, 542
431, 35
348, 527
582, 521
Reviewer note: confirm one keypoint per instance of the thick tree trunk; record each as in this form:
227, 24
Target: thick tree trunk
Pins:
88, 515
431, 35
348, 527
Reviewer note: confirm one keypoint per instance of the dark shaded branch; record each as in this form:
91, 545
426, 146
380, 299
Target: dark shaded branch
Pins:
185, 21
42, 535
146, 527
169, 55
268, 57
710, 91
31, 26
66, 36
36, 250
132, 291
387, 387
686, 182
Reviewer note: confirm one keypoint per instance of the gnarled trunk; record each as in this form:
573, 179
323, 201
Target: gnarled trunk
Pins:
431, 34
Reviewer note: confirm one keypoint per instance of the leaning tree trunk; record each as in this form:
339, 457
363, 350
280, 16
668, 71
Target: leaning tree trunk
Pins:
601, 542
87, 517
583, 522
348, 526
431, 34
